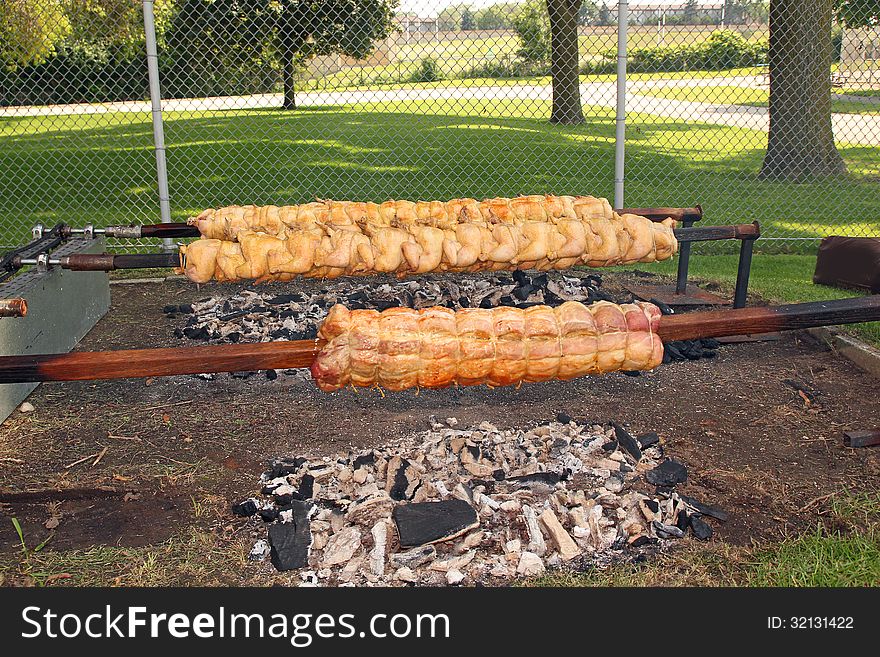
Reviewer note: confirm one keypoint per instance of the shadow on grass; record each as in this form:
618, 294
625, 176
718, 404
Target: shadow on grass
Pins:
100, 168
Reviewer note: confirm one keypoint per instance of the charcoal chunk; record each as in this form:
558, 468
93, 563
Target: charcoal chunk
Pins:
700, 528
244, 509
563, 418
665, 309
306, 487
401, 482
682, 521
546, 478
289, 541
284, 467
705, 509
196, 333
626, 440
668, 473
364, 459
268, 515
523, 292
648, 439
429, 522
271, 375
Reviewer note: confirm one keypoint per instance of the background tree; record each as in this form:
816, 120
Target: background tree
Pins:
588, 14
308, 28
691, 9
468, 22
496, 17
29, 31
564, 61
857, 13
450, 18
533, 31
604, 16
800, 143
116, 25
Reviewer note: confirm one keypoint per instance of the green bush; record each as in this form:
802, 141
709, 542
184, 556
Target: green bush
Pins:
428, 71
506, 67
723, 49
604, 66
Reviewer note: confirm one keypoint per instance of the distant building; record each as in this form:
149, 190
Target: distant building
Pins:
681, 13
413, 24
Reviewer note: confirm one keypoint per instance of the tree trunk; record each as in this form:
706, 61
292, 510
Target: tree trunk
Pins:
289, 75
564, 62
801, 141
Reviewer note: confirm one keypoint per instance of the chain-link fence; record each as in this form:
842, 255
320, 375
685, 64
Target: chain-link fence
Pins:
756, 110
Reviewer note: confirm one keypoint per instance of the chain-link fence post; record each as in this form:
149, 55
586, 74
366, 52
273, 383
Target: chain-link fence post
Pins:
156, 110
620, 119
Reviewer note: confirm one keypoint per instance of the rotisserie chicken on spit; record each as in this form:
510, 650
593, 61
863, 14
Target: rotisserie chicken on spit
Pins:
328, 239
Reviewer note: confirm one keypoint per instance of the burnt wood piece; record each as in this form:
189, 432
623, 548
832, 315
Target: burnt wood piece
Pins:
135, 363
289, 542
431, 522
868, 438
627, 441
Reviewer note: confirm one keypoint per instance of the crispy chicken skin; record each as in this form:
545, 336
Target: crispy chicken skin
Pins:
327, 239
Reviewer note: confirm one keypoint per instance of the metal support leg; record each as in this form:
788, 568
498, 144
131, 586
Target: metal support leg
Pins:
742, 273
684, 258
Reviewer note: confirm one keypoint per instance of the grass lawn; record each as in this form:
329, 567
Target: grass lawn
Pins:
733, 95
844, 550
100, 167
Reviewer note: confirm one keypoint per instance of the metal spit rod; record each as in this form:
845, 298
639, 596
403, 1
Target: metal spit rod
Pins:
111, 261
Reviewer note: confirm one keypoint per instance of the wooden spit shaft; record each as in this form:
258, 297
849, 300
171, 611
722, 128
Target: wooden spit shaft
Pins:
138, 363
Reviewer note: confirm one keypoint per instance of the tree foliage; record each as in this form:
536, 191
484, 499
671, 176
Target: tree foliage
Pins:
588, 14
857, 13
30, 31
115, 24
468, 22
532, 26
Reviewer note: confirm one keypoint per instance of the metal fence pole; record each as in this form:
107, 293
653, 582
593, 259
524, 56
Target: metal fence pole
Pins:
156, 108
620, 120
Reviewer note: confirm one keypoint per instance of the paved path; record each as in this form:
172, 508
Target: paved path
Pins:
857, 129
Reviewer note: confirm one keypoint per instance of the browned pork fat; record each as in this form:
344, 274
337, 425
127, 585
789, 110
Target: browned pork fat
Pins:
402, 348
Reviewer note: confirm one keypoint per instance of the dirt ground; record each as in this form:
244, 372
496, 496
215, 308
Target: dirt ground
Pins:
132, 462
